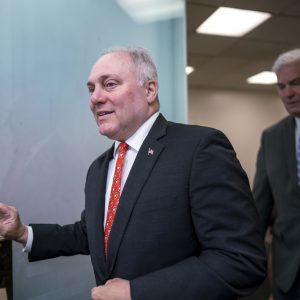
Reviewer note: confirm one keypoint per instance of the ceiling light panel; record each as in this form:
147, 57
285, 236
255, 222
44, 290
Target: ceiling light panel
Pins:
265, 77
144, 11
232, 22
189, 70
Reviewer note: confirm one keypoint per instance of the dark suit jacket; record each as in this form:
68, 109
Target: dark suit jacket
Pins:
186, 225
275, 185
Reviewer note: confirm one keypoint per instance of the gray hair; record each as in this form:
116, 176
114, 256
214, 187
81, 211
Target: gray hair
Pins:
286, 58
145, 67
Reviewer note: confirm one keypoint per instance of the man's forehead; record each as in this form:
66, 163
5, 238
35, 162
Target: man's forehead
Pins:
117, 63
289, 70
113, 56
114, 60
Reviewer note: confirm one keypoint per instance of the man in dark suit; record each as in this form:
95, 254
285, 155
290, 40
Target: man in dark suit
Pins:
185, 225
276, 185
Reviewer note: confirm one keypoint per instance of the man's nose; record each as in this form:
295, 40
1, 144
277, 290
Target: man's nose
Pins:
97, 97
289, 91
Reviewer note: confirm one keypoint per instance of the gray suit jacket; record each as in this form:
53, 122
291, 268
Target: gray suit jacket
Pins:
275, 185
186, 225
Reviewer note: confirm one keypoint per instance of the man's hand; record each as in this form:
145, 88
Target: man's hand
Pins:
10, 224
114, 289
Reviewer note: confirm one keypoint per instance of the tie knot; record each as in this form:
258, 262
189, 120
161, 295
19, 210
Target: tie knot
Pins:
123, 148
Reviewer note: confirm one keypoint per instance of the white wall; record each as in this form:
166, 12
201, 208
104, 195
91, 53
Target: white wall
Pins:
241, 115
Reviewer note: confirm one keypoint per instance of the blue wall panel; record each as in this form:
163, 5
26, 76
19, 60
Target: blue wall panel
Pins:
48, 135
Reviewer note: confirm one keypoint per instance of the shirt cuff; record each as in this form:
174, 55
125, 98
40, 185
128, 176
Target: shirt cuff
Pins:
28, 245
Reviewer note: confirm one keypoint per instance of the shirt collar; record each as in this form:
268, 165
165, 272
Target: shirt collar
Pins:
136, 140
297, 119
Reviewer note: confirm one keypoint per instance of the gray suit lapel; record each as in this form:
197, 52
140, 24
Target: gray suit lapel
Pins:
141, 170
289, 148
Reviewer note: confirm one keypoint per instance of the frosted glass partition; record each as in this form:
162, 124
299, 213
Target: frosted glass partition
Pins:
48, 135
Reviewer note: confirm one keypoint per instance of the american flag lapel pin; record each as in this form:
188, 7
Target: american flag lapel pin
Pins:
150, 151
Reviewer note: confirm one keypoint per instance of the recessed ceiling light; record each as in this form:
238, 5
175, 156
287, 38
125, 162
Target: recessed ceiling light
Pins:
265, 77
232, 22
189, 70
143, 11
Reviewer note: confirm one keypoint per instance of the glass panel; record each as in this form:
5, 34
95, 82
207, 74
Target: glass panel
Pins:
48, 135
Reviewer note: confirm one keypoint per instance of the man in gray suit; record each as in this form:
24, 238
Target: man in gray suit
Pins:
276, 184
185, 227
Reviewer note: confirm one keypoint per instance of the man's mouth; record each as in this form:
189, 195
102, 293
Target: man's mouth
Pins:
293, 101
103, 113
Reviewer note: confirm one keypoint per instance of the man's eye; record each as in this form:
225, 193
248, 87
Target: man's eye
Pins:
295, 82
110, 84
91, 90
280, 86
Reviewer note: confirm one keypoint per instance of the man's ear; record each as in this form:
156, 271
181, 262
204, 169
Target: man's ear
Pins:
151, 90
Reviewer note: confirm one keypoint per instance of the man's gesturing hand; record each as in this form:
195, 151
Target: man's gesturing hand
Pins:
10, 224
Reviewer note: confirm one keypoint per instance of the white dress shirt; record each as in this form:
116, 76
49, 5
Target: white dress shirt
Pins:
297, 140
134, 142
297, 132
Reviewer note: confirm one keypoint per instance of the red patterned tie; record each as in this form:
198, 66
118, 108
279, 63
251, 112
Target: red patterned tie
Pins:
114, 194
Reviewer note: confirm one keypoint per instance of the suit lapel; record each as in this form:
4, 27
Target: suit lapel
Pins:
289, 147
141, 170
96, 214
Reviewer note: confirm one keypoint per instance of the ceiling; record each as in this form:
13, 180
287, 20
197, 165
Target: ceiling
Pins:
225, 62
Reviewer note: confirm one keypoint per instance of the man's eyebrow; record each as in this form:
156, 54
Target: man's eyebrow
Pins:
100, 78
291, 81
294, 79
